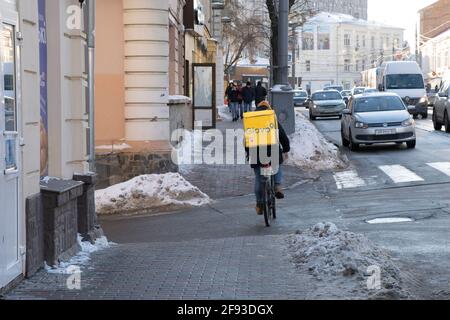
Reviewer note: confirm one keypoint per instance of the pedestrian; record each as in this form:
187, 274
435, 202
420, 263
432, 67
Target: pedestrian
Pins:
228, 95
285, 148
260, 93
241, 101
234, 102
248, 96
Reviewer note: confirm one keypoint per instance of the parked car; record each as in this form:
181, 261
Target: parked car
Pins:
337, 88
301, 98
326, 104
441, 113
358, 90
433, 97
377, 118
346, 94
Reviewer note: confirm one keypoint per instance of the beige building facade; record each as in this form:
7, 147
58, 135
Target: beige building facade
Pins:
40, 134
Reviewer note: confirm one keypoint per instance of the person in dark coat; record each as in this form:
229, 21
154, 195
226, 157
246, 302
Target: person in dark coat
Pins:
256, 164
228, 94
234, 102
260, 93
248, 96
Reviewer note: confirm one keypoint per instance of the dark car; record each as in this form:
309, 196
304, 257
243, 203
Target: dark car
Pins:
301, 98
326, 104
441, 114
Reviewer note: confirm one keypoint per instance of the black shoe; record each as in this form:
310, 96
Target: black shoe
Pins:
279, 193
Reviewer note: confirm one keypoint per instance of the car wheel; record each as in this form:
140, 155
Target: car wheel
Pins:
345, 142
411, 144
353, 146
447, 122
437, 126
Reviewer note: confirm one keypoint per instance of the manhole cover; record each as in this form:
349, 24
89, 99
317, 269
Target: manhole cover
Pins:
389, 220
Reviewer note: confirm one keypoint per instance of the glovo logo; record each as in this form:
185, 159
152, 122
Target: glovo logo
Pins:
252, 131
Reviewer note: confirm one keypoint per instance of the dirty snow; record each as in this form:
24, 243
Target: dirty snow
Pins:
345, 262
82, 258
310, 149
149, 193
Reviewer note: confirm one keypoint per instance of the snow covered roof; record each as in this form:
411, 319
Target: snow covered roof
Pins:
256, 62
340, 18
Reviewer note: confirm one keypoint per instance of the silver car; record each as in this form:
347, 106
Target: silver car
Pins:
377, 118
441, 113
326, 104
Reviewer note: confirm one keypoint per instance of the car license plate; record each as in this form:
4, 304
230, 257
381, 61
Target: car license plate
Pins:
385, 131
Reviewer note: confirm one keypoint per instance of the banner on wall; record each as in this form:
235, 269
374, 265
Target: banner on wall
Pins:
43, 86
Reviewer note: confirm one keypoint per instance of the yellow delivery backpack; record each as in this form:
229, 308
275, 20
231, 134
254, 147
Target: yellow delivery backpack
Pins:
261, 128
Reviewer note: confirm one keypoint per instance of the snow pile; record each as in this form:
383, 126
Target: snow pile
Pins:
149, 193
310, 149
341, 257
224, 113
82, 258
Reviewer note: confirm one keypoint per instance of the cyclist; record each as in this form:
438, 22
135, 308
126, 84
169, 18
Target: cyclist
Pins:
285, 148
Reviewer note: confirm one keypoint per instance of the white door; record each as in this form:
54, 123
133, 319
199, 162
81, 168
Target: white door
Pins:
10, 260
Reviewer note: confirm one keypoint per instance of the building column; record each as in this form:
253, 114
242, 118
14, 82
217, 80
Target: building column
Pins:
67, 89
146, 63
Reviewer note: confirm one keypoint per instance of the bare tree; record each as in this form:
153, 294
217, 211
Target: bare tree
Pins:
244, 35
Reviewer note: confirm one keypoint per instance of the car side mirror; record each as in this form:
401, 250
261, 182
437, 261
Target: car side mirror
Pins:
346, 111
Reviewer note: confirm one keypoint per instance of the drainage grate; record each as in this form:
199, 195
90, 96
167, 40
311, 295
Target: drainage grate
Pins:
389, 220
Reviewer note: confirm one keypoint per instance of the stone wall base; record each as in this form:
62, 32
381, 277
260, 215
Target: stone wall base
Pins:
119, 167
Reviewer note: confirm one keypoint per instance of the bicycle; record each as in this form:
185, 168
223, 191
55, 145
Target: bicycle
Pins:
268, 194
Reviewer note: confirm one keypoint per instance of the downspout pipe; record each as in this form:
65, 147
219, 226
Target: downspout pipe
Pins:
91, 77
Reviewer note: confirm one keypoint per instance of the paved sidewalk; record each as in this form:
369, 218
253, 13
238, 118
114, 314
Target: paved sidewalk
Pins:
230, 268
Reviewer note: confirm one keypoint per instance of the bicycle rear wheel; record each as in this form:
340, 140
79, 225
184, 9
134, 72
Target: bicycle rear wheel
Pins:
268, 214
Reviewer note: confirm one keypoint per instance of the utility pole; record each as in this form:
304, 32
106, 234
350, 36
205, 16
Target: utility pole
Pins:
282, 96
283, 44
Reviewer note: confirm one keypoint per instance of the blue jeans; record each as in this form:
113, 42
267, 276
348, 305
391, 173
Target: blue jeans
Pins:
258, 191
235, 109
245, 107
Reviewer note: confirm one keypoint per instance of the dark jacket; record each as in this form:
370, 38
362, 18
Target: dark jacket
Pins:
228, 92
260, 94
234, 95
248, 94
284, 145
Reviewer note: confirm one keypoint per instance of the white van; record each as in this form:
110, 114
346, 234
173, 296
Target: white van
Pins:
405, 78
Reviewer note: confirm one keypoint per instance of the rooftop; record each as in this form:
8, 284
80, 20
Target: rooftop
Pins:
340, 18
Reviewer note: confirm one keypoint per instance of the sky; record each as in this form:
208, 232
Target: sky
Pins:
398, 13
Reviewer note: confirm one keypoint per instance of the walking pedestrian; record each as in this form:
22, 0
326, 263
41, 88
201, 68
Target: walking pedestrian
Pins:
260, 93
241, 101
228, 95
234, 102
248, 96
